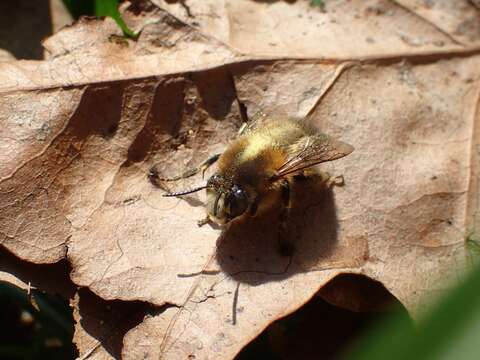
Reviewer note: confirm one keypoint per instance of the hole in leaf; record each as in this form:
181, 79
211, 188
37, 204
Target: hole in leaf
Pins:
35, 326
329, 324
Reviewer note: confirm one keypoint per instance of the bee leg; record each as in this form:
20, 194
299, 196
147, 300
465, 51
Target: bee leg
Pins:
154, 177
286, 247
203, 221
207, 163
335, 181
252, 210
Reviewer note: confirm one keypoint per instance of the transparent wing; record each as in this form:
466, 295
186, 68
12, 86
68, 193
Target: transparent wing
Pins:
310, 151
257, 120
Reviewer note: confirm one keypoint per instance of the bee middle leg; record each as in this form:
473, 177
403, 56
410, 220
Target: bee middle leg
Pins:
285, 244
155, 179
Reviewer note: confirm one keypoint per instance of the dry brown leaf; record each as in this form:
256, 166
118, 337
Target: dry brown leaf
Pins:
100, 325
83, 128
345, 30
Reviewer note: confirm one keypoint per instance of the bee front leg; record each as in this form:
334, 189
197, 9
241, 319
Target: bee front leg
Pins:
252, 210
155, 178
203, 221
286, 247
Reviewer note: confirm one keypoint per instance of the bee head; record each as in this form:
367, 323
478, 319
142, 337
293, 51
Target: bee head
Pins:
225, 200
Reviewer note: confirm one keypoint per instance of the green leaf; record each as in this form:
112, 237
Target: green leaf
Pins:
319, 3
80, 7
110, 8
99, 8
450, 331
473, 248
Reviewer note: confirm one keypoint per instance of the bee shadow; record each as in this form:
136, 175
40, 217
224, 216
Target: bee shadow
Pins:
249, 250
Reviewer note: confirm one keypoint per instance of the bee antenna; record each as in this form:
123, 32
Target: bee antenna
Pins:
180, 193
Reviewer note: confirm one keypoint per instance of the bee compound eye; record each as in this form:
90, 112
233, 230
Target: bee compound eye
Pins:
237, 202
239, 193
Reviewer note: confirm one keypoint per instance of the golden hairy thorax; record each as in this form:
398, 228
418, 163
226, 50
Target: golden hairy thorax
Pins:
255, 156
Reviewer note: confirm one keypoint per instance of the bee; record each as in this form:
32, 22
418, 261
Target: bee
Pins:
261, 167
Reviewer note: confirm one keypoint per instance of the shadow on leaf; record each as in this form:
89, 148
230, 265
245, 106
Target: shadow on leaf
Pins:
249, 249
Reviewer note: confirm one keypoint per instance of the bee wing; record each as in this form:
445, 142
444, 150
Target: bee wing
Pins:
310, 151
253, 123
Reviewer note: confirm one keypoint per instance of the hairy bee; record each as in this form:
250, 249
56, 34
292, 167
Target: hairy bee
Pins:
261, 166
